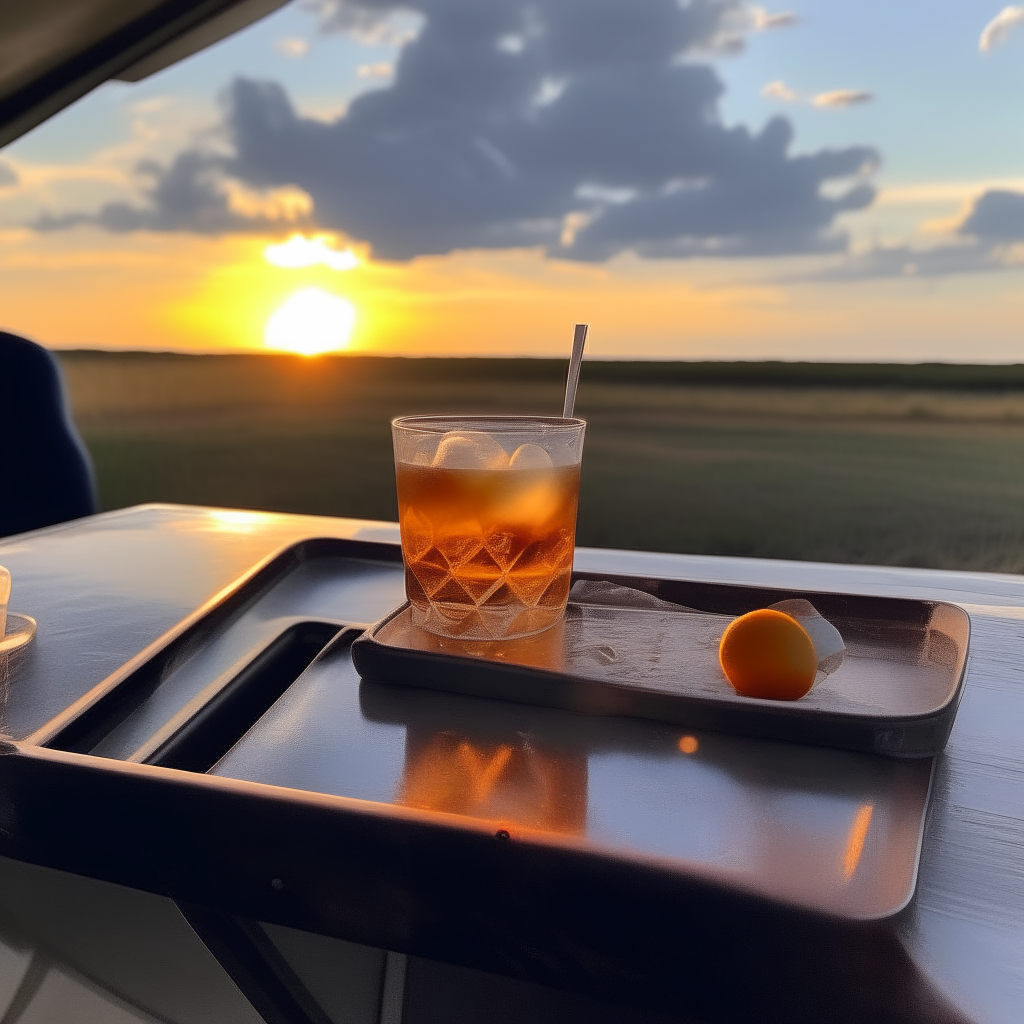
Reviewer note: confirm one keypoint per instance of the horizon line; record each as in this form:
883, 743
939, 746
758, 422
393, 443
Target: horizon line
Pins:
772, 360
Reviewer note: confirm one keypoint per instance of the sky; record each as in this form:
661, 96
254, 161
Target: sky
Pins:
697, 180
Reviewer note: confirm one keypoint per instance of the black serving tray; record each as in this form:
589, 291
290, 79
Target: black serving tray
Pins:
896, 692
241, 763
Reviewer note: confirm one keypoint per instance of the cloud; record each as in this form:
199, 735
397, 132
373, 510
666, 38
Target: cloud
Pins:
8, 175
150, 105
932, 192
587, 138
780, 91
904, 261
741, 19
989, 236
191, 194
292, 46
996, 31
379, 70
996, 215
765, 22
836, 99
843, 98
371, 22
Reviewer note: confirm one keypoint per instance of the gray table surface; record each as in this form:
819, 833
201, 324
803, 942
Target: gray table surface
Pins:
105, 587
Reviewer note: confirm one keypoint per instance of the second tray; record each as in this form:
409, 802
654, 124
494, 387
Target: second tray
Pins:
896, 692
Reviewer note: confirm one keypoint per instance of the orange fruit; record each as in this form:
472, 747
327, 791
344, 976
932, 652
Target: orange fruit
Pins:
768, 654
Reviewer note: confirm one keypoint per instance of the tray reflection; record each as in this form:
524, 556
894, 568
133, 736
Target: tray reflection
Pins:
517, 782
830, 829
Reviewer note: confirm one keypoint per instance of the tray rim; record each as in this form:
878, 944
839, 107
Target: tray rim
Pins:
370, 652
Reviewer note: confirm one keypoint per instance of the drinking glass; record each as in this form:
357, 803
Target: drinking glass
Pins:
487, 507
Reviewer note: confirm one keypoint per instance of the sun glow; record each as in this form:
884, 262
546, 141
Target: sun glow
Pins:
310, 322
299, 252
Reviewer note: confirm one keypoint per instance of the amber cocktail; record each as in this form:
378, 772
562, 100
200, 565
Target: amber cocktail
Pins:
487, 507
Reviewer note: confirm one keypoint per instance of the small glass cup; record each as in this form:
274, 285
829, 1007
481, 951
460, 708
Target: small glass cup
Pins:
487, 507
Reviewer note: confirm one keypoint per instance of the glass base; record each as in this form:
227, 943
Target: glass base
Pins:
19, 632
468, 622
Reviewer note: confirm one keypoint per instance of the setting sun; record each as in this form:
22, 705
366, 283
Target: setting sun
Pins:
309, 322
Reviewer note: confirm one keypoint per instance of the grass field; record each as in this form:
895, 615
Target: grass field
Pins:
897, 465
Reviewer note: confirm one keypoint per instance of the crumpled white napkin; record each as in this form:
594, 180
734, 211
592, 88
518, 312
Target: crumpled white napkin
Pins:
828, 643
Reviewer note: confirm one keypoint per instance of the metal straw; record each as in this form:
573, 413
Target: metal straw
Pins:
579, 339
